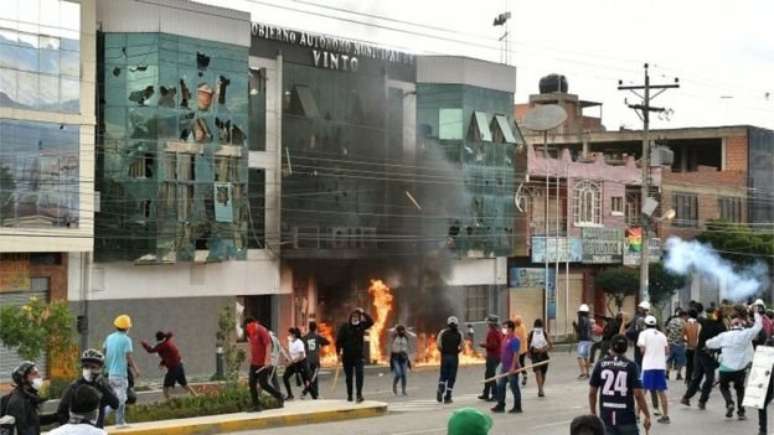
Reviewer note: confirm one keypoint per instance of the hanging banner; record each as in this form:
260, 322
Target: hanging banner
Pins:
535, 277
602, 245
559, 249
224, 206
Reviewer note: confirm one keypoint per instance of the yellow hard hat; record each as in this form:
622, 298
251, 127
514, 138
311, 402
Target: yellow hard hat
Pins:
123, 322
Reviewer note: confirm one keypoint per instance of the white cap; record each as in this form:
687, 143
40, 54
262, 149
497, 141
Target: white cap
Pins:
583, 308
759, 302
645, 305
650, 320
452, 321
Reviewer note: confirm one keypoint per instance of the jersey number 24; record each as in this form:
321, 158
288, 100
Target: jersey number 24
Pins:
615, 382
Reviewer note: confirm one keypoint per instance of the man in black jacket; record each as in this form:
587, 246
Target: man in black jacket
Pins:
23, 403
312, 344
349, 348
450, 344
705, 363
92, 362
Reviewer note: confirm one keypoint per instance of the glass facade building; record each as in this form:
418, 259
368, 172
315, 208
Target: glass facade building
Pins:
173, 159
40, 55
469, 130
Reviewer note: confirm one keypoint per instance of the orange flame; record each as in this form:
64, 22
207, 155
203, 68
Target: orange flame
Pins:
327, 353
382, 303
428, 353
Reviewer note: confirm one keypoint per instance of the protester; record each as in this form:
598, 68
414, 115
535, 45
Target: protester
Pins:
768, 326
736, 346
399, 357
349, 348
118, 361
171, 360
83, 413
313, 342
612, 328
92, 363
587, 424
675, 331
297, 361
636, 326
655, 348
705, 364
616, 405
24, 403
494, 338
691, 333
509, 357
521, 332
538, 345
449, 342
583, 331
469, 421
596, 339
261, 368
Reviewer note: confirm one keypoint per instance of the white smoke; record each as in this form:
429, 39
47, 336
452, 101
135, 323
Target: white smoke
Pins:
736, 284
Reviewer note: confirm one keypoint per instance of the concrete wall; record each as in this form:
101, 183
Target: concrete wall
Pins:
192, 320
466, 71
489, 271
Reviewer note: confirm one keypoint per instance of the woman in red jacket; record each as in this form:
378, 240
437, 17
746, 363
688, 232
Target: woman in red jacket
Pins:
170, 358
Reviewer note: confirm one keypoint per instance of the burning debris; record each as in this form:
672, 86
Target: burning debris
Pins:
382, 302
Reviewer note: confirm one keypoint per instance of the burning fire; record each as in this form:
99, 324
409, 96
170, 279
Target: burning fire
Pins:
428, 353
382, 303
327, 353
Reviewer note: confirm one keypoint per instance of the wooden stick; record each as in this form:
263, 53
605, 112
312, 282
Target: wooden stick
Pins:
336, 378
502, 375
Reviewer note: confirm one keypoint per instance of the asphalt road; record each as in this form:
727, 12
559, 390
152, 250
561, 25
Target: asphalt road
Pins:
566, 397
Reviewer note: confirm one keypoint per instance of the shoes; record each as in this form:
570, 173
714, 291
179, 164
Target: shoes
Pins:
439, 396
685, 401
360, 399
741, 417
448, 400
289, 397
729, 410
702, 406
679, 377
515, 411
483, 397
541, 394
524, 381
656, 412
395, 389
498, 409
349, 398
665, 420
403, 393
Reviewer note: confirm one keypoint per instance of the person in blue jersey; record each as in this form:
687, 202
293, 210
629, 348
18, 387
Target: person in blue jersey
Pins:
615, 384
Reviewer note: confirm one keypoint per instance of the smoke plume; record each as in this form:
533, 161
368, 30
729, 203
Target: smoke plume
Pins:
737, 283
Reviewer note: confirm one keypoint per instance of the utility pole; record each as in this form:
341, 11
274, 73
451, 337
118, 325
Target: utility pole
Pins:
643, 110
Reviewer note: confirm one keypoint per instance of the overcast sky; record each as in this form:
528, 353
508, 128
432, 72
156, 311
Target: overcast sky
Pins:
722, 51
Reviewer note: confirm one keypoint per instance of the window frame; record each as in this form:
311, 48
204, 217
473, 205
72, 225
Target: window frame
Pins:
685, 203
585, 215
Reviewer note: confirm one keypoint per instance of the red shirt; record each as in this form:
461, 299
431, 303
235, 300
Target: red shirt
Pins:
170, 355
260, 342
494, 340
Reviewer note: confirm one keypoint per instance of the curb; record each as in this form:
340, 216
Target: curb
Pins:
251, 421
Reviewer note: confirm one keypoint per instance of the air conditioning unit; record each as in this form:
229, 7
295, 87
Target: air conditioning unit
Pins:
661, 156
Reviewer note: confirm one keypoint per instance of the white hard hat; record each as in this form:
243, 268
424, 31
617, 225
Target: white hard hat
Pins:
583, 308
452, 320
645, 305
650, 320
759, 302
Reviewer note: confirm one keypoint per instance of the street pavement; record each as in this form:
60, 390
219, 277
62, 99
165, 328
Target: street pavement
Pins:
566, 398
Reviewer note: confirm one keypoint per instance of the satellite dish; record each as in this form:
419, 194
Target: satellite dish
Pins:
544, 117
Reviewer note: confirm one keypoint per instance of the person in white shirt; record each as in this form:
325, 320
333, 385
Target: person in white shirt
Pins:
736, 353
655, 348
296, 361
83, 413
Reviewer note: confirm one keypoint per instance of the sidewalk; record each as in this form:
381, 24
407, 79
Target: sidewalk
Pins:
294, 413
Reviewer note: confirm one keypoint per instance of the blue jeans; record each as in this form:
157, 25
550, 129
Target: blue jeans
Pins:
399, 369
513, 381
449, 365
120, 387
677, 357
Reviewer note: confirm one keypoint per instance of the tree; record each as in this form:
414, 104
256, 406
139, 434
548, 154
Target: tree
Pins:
738, 242
233, 356
37, 327
618, 283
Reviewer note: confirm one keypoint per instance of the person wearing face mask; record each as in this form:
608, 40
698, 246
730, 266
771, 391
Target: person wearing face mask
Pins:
24, 403
296, 363
170, 358
349, 348
83, 413
399, 357
92, 362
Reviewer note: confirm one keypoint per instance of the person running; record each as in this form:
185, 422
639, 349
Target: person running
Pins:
23, 403
539, 344
494, 338
736, 353
92, 363
691, 333
675, 331
449, 342
296, 363
705, 364
313, 342
170, 358
509, 357
83, 413
583, 330
655, 348
521, 332
616, 383
349, 348
261, 368
118, 362
399, 357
